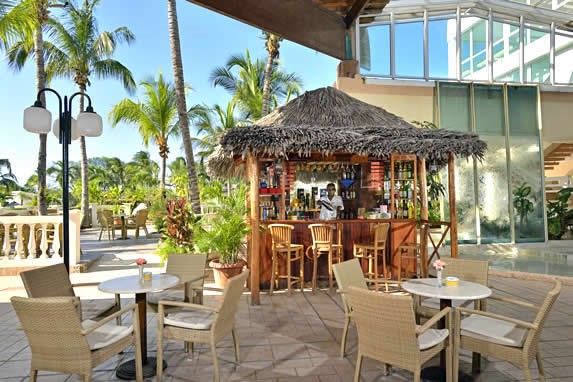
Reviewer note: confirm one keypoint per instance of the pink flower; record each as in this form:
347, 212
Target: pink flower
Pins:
141, 261
439, 265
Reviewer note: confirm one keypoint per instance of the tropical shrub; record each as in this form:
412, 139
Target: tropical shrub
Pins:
177, 234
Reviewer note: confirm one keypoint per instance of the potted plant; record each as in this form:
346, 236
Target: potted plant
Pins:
558, 214
223, 234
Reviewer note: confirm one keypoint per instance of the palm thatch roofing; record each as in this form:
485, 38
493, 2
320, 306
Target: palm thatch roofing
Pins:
328, 121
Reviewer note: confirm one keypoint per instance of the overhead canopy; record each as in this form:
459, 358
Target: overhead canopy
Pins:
317, 24
327, 121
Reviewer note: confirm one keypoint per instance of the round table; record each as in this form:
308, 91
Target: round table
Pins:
465, 290
132, 284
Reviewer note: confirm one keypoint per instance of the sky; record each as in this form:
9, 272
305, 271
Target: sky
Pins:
208, 39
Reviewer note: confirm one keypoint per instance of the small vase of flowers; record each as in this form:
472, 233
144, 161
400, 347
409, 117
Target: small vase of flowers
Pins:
439, 267
140, 263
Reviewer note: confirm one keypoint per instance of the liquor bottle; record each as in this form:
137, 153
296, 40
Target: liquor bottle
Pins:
404, 209
410, 210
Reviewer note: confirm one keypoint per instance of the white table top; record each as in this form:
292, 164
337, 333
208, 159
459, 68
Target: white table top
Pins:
131, 284
466, 290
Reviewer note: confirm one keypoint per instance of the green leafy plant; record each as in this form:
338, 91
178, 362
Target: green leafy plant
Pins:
177, 234
224, 233
521, 202
558, 213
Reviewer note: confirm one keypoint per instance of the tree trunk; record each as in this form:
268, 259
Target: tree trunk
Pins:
181, 104
267, 84
40, 84
84, 172
163, 166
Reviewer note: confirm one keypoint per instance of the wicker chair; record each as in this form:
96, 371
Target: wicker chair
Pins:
190, 268
416, 252
54, 281
349, 274
323, 242
200, 323
61, 342
139, 221
108, 224
373, 250
387, 332
281, 235
503, 337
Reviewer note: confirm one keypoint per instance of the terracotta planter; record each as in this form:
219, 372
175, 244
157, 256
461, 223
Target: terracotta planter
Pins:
223, 272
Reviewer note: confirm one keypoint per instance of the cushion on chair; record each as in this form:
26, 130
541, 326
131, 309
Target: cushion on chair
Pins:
432, 337
106, 334
167, 295
91, 309
191, 319
493, 330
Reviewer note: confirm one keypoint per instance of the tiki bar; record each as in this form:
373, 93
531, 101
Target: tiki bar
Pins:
377, 163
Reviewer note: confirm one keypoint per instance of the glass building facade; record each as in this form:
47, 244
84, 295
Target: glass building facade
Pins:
499, 199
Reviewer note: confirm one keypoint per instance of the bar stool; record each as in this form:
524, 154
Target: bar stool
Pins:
322, 242
372, 250
281, 245
414, 252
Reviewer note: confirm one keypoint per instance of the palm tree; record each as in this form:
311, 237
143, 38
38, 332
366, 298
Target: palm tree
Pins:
272, 45
155, 116
142, 171
182, 105
56, 170
7, 179
82, 51
244, 79
210, 129
178, 176
24, 38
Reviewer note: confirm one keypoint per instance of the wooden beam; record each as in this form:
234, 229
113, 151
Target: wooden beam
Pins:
255, 255
354, 12
423, 189
452, 200
300, 21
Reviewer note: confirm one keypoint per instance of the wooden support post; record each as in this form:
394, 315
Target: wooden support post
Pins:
282, 200
254, 255
452, 199
423, 189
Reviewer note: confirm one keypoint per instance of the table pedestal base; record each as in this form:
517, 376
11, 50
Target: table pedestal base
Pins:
127, 369
436, 373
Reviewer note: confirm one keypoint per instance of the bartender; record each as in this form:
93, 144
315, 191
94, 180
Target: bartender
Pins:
330, 204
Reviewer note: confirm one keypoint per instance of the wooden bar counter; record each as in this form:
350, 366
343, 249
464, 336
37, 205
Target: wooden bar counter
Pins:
353, 231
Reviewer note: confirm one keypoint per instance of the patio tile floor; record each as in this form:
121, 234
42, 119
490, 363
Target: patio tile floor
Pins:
297, 339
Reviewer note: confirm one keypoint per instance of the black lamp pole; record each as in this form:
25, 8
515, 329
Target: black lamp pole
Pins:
65, 117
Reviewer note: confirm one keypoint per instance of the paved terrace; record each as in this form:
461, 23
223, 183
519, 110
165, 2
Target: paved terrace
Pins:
284, 339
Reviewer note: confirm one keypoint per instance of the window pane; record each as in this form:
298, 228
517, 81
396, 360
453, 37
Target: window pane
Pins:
506, 54
536, 56
441, 56
455, 115
492, 171
563, 59
375, 50
474, 62
409, 48
526, 171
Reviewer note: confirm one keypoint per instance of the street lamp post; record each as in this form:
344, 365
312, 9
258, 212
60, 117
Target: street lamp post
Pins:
37, 119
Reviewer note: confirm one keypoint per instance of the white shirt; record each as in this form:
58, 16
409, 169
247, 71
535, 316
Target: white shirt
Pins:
325, 213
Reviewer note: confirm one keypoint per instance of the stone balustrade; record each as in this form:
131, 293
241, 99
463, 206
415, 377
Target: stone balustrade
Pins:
27, 241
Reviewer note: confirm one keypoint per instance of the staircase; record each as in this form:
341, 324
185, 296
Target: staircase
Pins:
556, 153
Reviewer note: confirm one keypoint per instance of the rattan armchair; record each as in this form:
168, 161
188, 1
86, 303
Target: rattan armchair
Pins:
503, 337
387, 332
190, 268
107, 224
139, 221
200, 323
54, 281
349, 274
61, 342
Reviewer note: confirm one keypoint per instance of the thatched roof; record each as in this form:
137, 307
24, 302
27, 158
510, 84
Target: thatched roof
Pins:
328, 121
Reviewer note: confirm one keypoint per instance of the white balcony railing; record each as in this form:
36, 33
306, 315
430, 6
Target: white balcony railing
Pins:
34, 240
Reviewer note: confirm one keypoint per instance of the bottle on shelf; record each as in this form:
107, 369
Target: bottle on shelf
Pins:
410, 210
404, 209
